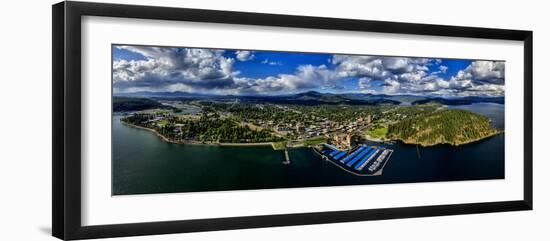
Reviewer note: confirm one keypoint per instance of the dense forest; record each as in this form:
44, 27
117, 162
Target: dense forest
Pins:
121, 104
453, 127
208, 129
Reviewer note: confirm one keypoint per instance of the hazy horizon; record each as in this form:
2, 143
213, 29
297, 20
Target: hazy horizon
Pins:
183, 93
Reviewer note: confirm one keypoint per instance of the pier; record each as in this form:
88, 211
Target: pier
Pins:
362, 160
287, 158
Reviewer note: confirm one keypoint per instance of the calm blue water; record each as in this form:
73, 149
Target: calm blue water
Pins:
143, 163
494, 111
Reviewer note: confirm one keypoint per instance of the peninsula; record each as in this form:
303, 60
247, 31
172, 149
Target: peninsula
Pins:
322, 119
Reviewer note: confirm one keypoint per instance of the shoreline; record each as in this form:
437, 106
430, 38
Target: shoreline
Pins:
272, 144
378, 140
447, 143
164, 138
370, 138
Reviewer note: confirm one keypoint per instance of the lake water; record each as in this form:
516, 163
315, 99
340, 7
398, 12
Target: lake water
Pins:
143, 163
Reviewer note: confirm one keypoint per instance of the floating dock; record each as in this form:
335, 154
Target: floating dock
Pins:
362, 160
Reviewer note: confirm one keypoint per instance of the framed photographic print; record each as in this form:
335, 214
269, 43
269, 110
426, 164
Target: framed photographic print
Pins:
171, 120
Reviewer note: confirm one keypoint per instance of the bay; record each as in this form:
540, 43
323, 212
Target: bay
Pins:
143, 163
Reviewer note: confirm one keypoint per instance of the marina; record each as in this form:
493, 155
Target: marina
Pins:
203, 120
143, 163
357, 159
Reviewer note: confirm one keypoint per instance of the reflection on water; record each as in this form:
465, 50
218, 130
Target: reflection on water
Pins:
142, 163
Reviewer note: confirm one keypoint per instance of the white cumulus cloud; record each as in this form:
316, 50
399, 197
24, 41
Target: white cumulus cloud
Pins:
200, 68
244, 55
212, 71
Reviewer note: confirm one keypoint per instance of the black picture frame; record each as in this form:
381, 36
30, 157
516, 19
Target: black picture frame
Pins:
66, 157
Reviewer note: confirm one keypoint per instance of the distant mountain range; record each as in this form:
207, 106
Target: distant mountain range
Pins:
314, 98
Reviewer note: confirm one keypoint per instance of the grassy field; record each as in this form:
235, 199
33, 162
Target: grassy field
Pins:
379, 132
163, 122
279, 145
315, 141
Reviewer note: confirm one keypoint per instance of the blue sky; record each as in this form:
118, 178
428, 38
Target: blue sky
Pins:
266, 63
246, 72
119, 54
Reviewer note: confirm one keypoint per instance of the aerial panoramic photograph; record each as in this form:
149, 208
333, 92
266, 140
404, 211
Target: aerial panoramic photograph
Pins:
190, 119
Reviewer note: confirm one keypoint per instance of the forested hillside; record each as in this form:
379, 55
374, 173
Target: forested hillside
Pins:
453, 127
135, 104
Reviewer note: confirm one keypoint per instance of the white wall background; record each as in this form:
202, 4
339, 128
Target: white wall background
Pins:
25, 120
